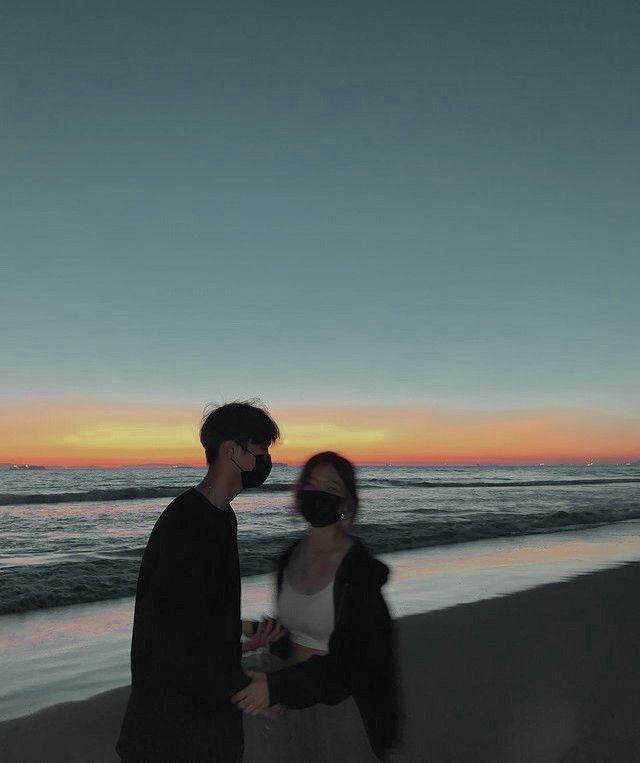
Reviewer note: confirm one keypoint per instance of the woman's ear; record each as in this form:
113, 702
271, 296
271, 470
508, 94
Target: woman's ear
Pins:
346, 516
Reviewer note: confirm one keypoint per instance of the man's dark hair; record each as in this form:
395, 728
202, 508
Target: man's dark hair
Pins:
242, 422
343, 466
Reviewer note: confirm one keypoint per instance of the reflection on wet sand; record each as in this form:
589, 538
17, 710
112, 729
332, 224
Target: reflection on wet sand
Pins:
56, 655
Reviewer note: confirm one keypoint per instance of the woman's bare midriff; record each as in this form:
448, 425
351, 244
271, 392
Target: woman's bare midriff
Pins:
300, 653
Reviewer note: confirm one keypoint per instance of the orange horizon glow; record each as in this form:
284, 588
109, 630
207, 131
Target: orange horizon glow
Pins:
82, 433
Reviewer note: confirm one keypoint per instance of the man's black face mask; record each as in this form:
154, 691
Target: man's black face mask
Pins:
261, 470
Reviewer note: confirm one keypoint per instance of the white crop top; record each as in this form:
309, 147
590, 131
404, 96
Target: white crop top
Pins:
307, 617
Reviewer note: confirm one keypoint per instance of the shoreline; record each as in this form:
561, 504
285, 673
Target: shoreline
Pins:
75, 652
546, 674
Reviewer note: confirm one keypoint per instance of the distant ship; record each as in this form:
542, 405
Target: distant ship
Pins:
280, 463
27, 466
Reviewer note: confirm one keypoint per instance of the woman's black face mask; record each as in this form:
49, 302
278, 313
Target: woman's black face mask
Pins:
320, 509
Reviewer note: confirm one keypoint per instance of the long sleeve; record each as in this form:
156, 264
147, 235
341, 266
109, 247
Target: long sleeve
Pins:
376, 675
320, 679
187, 643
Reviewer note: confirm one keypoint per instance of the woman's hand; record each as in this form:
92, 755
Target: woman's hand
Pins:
254, 698
268, 631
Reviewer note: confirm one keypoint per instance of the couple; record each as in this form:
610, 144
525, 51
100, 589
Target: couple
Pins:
327, 689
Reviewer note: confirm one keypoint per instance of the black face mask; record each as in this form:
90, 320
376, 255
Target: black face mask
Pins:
320, 509
256, 476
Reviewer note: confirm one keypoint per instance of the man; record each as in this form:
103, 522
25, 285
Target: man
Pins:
185, 650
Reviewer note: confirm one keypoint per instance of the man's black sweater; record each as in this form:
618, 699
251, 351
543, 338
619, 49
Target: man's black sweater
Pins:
185, 651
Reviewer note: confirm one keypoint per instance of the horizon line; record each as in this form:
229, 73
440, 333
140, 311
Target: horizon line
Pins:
606, 461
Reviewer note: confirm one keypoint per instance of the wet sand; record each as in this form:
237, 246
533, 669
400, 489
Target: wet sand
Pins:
542, 675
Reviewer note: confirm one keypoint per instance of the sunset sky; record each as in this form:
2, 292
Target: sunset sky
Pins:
411, 230
112, 435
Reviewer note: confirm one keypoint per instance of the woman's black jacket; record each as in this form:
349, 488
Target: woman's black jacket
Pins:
361, 658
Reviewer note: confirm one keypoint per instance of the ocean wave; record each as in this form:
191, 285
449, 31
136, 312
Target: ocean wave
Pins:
113, 574
115, 494
500, 483
168, 491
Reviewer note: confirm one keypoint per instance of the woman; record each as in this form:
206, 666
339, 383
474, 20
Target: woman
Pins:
333, 674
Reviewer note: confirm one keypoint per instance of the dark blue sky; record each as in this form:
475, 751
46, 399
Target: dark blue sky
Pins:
430, 203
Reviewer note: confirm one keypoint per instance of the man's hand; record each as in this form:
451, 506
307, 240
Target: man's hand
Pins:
254, 698
268, 631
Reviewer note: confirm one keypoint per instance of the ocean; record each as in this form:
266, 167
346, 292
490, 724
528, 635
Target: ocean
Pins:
71, 536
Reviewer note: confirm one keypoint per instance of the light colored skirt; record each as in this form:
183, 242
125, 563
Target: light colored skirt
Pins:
318, 734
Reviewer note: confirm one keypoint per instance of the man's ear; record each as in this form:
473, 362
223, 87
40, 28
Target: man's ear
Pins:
226, 448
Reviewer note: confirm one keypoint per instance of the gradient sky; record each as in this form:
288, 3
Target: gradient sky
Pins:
114, 434
426, 205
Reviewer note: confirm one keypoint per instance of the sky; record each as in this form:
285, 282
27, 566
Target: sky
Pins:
116, 434
347, 209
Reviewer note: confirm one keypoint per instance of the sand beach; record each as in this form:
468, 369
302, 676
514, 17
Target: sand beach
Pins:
544, 675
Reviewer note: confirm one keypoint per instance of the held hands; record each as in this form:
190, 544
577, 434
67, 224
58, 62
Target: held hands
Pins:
268, 631
254, 698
